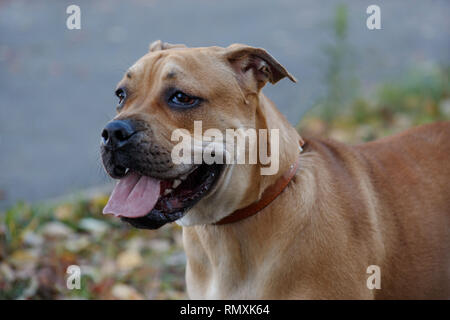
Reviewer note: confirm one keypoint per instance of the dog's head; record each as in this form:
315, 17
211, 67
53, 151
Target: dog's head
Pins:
167, 90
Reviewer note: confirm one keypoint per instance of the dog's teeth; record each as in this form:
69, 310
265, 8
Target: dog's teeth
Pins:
176, 183
167, 191
126, 170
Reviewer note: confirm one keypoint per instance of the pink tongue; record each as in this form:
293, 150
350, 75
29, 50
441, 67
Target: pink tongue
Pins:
133, 196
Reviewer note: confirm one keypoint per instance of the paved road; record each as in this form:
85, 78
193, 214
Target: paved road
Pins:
56, 85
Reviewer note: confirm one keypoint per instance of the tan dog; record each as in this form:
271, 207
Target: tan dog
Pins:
384, 203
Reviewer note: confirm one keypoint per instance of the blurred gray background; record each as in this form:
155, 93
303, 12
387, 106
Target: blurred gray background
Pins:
57, 85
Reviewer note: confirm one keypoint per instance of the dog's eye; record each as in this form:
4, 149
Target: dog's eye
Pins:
180, 99
121, 94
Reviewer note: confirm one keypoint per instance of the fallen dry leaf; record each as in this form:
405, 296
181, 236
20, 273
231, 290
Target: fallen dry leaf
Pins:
56, 229
32, 239
125, 292
6, 272
129, 259
64, 212
77, 243
159, 245
93, 226
23, 257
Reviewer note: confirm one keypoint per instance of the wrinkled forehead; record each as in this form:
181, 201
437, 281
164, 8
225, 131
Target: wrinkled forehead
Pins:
179, 64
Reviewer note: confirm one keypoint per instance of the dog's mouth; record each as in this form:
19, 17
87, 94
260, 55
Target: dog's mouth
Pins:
149, 203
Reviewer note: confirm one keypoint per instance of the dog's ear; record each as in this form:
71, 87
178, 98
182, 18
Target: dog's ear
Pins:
247, 60
159, 45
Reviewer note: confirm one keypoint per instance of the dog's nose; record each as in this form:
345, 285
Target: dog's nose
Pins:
117, 133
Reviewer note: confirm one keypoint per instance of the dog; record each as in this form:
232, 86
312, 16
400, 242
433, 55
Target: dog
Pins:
315, 228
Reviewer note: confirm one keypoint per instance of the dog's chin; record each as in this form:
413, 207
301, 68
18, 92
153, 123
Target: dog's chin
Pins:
155, 219
179, 195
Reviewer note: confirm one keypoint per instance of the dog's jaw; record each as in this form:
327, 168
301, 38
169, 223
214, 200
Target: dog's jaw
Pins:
217, 204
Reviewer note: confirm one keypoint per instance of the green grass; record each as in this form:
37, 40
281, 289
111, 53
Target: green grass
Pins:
420, 96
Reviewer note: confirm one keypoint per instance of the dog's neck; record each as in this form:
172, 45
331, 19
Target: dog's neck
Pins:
269, 193
269, 117
223, 254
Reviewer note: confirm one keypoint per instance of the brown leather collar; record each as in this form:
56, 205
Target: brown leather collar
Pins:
270, 194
